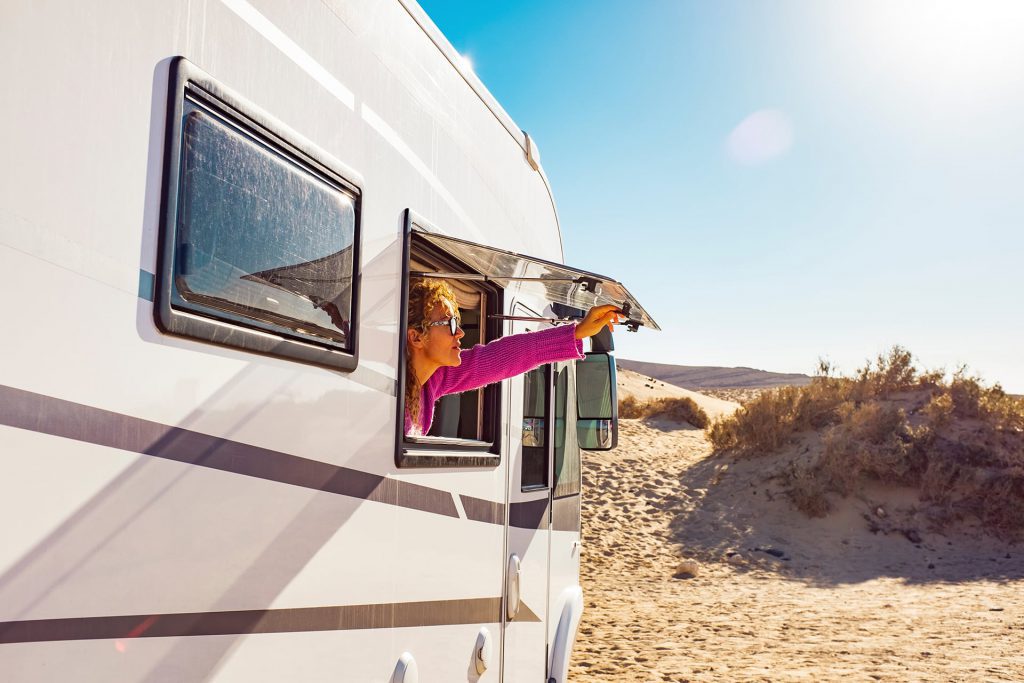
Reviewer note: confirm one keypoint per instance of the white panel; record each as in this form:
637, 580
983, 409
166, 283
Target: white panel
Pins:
441, 558
524, 640
565, 571
164, 537
44, 485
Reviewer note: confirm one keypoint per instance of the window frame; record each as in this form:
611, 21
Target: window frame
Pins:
188, 83
519, 308
432, 451
571, 451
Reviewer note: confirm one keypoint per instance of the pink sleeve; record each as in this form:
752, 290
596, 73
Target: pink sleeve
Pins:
506, 357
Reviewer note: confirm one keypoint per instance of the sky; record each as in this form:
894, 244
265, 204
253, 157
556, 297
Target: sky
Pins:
780, 181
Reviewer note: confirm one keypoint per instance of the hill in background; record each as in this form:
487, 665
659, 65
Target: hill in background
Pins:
707, 377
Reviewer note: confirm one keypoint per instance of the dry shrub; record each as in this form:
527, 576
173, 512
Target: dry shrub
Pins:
873, 441
939, 410
892, 372
806, 491
961, 443
679, 409
971, 399
1000, 501
769, 421
630, 408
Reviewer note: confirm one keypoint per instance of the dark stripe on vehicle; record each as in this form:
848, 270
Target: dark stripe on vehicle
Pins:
336, 618
480, 510
531, 514
57, 417
565, 513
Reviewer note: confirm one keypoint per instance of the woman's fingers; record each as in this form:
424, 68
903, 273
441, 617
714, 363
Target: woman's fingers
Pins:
598, 317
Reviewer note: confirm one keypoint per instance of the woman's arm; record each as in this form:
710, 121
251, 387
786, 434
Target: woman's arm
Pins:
506, 357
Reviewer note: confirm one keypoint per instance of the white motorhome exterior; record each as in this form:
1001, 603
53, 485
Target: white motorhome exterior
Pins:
193, 491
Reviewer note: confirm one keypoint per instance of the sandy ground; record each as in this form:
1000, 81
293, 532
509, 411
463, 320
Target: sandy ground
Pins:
777, 596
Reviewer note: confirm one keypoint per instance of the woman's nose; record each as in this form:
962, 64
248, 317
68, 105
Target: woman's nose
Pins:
459, 332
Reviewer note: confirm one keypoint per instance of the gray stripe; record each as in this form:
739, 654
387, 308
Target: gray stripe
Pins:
335, 618
531, 514
480, 510
565, 513
48, 415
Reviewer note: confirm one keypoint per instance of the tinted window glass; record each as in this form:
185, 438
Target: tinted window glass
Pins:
535, 398
261, 239
567, 451
593, 376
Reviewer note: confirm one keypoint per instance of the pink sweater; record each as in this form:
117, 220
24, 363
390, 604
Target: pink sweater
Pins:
500, 359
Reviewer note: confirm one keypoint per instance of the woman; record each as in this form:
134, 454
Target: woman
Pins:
436, 365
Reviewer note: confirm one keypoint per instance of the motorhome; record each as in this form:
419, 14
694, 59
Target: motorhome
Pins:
209, 217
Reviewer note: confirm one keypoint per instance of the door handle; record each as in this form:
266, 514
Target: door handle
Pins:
512, 595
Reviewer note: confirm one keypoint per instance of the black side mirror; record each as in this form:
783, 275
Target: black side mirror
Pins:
597, 410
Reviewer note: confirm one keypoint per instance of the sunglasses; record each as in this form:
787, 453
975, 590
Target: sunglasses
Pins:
452, 324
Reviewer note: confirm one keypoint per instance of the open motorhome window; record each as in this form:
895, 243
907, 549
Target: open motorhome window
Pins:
259, 236
466, 427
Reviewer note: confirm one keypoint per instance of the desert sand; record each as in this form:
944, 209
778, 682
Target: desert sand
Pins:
697, 568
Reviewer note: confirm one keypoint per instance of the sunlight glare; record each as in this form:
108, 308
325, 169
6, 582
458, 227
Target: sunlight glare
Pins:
948, 41
761, 137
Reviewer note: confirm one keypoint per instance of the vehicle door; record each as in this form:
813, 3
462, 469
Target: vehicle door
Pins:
528, 528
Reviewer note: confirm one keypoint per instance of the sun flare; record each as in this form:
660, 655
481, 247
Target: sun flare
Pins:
948, 41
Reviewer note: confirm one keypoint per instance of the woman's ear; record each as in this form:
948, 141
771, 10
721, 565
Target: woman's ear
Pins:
414, 338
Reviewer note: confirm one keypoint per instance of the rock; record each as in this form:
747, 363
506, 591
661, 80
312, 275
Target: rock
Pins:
686, 569
735, 558
912, 535
880, 511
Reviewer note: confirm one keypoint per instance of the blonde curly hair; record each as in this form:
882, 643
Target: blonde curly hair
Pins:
424, 295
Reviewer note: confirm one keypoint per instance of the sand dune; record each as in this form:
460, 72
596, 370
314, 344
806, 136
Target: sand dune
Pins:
777, 596
644, 388
706, 377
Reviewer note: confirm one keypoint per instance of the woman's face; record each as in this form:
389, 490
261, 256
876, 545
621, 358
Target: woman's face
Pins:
439, 345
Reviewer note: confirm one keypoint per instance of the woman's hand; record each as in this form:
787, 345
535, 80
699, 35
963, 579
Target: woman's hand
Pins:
597, 318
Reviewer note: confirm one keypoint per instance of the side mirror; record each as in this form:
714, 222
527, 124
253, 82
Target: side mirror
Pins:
597, 410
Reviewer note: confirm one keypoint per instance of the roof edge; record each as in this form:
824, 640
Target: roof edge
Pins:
442, 43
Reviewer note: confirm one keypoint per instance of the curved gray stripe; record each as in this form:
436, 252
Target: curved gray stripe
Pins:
49, 415
333, 618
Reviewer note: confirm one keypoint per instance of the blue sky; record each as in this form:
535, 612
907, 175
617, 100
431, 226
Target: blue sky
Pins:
780, 181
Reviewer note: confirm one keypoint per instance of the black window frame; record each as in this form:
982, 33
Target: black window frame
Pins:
521, 309
546, 448
431, 451
188, 83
